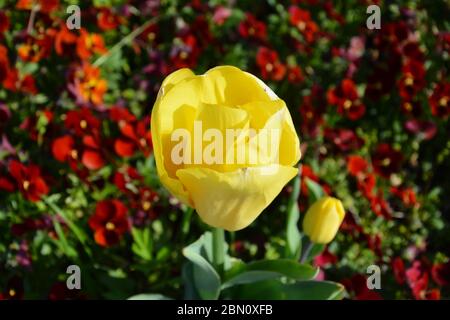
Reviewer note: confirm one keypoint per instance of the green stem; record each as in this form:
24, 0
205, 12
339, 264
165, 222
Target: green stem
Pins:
125, 40
306, 251
218, 239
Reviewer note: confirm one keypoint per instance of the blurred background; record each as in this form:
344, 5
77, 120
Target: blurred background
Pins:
77, 177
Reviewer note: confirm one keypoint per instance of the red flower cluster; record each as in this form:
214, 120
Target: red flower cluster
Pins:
26, 179
109, 222
347, 100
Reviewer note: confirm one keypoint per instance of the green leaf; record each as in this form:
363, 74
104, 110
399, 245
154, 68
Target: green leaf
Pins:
250, 277
205, 277
270, 269
293, 236
285, 267
78, 232
302, 290
315, 290
315, 188
149, 296
142, 245
62, 240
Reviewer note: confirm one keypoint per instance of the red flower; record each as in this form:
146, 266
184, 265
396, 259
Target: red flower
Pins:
88, 44
87, 85
295, 74
425, 130
4, 22
14, 289
418, 279
16, 82
357, 286
136, 135
311, 112
345, 97
326, 258
398, 267
441, 273
109, 222
440, 100
412, 80
406, 195
386, 160
150, 34
107, 19
4, 63
411, 108
82, 121
125, 177
45, 6
301, 19
366, 184
89, 153
92, 157
250, 27
221, 14
343, 139
269, 64
144, 203
380, 206
35, 48
374, 244
185, 54
307, 173
29, 125
6, 184
65, 41
357, 166
28, 180
63, 149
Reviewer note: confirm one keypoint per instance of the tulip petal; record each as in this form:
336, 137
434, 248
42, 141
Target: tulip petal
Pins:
230, 86
233, 200
323, 219
163, 122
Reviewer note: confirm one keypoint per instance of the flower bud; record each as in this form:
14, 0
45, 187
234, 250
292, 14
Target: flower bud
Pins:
322, 220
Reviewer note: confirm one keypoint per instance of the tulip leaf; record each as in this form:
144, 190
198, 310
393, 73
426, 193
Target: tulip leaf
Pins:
285, 267
250, 277
293, 236
315, 188
315, 290
270, 269
149, 296
205, 278
301, 290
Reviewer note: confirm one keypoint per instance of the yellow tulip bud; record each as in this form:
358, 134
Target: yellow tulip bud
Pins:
210, 135
323, 219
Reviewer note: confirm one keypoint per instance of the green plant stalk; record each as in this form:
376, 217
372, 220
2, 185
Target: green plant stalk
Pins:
218, 246
124, 41
306, 251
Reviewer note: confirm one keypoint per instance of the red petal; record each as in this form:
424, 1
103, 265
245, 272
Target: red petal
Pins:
7, 185
62, 147
124, 148
92, 160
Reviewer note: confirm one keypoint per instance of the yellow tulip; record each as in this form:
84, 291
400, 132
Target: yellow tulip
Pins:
226, 194
323, 219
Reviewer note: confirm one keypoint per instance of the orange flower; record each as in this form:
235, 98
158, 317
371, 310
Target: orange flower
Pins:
64, 40
89, 43
35, 48
89, 85
45, 6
